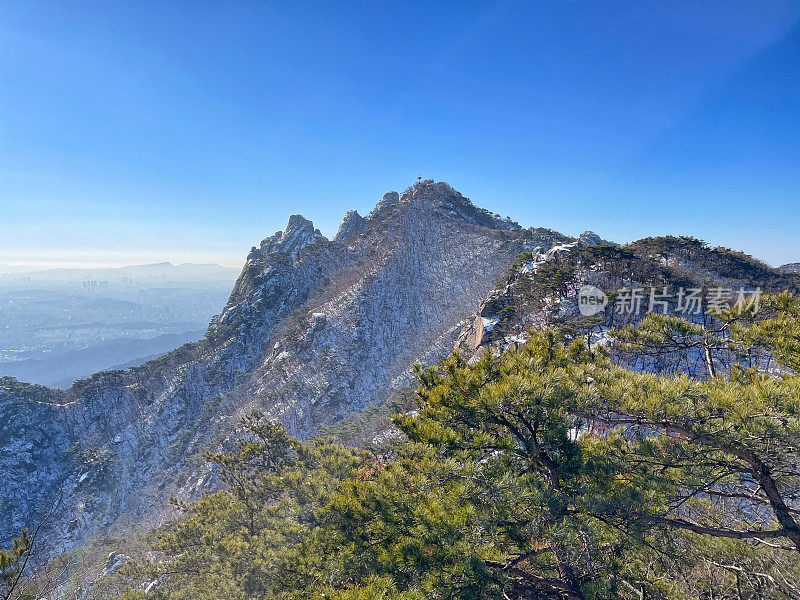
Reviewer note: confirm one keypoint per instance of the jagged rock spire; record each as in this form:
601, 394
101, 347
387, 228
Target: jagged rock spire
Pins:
447, 201
299, 234
590, 238
389, 199
351, 225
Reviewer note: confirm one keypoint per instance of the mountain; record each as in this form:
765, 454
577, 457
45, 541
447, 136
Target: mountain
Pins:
314, 330
152, 273
541, 290
790, 267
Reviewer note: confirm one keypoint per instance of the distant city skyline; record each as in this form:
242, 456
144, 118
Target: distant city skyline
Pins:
134, 133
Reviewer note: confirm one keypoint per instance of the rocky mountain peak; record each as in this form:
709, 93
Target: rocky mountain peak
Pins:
298, 235
443, 199
590, 238
389, 199
352, 223
299, 222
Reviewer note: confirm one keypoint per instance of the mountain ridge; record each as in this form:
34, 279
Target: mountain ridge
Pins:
314, 330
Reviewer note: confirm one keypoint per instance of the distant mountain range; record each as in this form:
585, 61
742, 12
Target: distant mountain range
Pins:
165, 270
63, 324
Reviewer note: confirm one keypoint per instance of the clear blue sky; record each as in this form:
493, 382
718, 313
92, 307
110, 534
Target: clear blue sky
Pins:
148, 131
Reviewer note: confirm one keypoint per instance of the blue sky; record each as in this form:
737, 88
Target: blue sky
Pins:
143, 131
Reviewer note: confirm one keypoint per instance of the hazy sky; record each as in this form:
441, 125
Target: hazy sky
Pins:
149, 131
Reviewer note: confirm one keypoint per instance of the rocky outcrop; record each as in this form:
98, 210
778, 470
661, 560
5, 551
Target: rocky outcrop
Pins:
446, 201
352, 224
590, 238
389, 199
114, 561
790, 267
298, 235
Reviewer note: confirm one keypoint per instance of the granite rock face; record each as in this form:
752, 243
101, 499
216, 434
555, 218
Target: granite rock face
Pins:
298, 235
352, 224
389, 199
314, 330
590, 238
